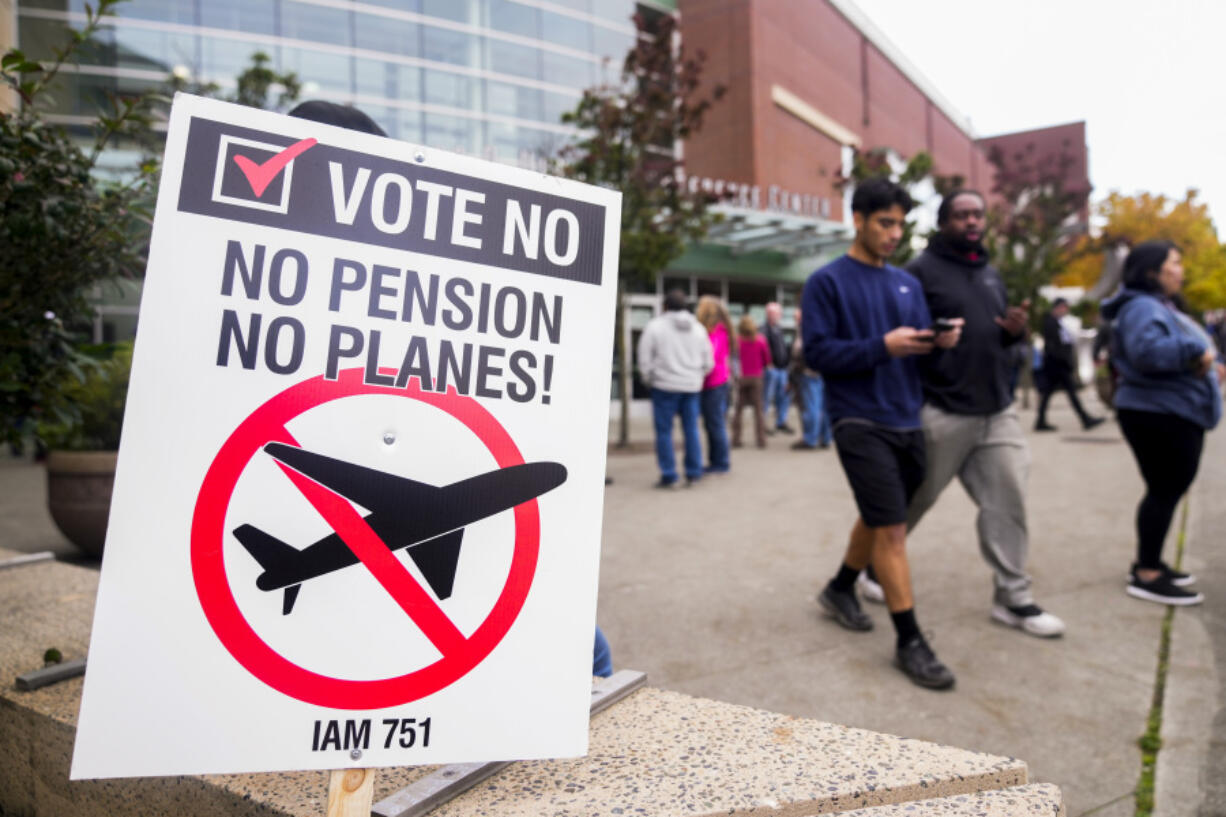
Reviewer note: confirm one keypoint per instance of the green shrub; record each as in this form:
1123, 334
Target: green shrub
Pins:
62, 234
96, 398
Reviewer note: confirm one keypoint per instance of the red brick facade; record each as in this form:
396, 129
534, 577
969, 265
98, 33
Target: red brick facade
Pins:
813, 51
1048, 145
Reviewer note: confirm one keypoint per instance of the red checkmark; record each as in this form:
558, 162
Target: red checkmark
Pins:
260, 176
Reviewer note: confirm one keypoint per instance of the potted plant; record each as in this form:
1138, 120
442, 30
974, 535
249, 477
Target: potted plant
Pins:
82, 442
63, 232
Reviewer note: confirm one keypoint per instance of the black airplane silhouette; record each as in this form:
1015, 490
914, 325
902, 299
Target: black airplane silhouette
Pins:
427, 520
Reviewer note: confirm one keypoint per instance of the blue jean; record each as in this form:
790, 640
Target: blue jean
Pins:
815, 420
602, 656
665, 405
715, 420
775, 393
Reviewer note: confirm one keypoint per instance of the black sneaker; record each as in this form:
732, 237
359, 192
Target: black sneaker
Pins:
1045, 427
919, 663
845, 609
1093, 422
1163, 591
1177, 577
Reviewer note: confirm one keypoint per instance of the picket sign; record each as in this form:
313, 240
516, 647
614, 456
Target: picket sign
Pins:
358, 500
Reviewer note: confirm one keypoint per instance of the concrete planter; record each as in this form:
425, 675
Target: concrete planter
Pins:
79, 495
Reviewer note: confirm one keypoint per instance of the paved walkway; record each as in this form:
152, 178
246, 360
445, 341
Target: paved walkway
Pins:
25, 524
711, 591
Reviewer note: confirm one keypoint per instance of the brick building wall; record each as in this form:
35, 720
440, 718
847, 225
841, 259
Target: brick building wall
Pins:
838, 66
8, 39
1048, 144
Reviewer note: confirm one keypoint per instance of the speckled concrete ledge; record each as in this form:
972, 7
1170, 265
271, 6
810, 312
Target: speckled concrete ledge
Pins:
655, 753
663, 753
51, 604
1034, 800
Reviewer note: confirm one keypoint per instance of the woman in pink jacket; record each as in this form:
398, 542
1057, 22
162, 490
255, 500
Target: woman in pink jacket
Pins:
712, 314
755, 357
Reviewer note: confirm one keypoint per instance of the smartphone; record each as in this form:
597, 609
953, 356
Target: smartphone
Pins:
941, 325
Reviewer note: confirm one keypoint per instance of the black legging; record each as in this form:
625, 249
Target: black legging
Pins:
1168, 450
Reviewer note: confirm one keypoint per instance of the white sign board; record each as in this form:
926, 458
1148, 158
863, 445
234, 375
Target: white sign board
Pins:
357, 509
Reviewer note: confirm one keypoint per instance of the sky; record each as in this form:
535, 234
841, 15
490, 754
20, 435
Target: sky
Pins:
1147, 76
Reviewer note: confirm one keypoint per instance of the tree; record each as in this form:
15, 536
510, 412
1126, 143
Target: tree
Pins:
253, 87
1034, 223
627, 144
1130, 220
258, 81
61, 232
879, 162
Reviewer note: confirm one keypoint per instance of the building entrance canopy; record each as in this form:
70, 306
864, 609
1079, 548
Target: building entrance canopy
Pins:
746, 230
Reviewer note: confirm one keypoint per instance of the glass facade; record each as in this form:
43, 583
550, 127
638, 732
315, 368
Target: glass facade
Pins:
485, 77
489, 78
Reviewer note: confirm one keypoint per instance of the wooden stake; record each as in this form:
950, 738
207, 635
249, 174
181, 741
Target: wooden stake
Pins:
350, 792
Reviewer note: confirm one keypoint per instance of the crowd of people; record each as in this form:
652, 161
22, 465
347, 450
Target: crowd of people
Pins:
911, 374
770, 374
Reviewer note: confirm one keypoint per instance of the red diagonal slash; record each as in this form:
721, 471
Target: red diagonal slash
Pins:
381, 562
259, 176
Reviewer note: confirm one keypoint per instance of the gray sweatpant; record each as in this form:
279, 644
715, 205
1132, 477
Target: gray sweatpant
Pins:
990, 456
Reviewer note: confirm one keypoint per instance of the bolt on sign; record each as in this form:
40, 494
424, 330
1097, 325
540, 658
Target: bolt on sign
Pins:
357, 508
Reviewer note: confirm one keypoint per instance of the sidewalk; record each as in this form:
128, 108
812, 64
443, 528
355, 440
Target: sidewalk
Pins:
25, 524
710, 590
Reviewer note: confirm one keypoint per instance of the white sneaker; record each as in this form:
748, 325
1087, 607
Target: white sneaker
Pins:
1029, 619
869, 589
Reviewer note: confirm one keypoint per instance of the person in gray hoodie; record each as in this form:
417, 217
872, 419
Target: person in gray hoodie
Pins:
1168, 396
674, 355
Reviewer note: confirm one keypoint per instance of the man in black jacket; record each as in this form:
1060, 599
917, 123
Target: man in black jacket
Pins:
1059, 361
971, 429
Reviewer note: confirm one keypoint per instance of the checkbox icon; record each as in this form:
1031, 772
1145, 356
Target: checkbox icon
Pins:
256, 175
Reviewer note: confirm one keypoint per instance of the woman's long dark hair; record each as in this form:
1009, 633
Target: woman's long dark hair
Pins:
1143, 262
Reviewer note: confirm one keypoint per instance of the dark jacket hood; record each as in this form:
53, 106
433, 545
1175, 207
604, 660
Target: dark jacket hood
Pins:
968, 254
1112, 306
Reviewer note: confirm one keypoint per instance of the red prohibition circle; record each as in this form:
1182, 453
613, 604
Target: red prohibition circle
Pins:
268, 424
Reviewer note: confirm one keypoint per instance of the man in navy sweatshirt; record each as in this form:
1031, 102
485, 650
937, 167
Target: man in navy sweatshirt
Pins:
864, 322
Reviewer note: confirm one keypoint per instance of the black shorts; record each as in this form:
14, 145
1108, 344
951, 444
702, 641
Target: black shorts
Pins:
885, 468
